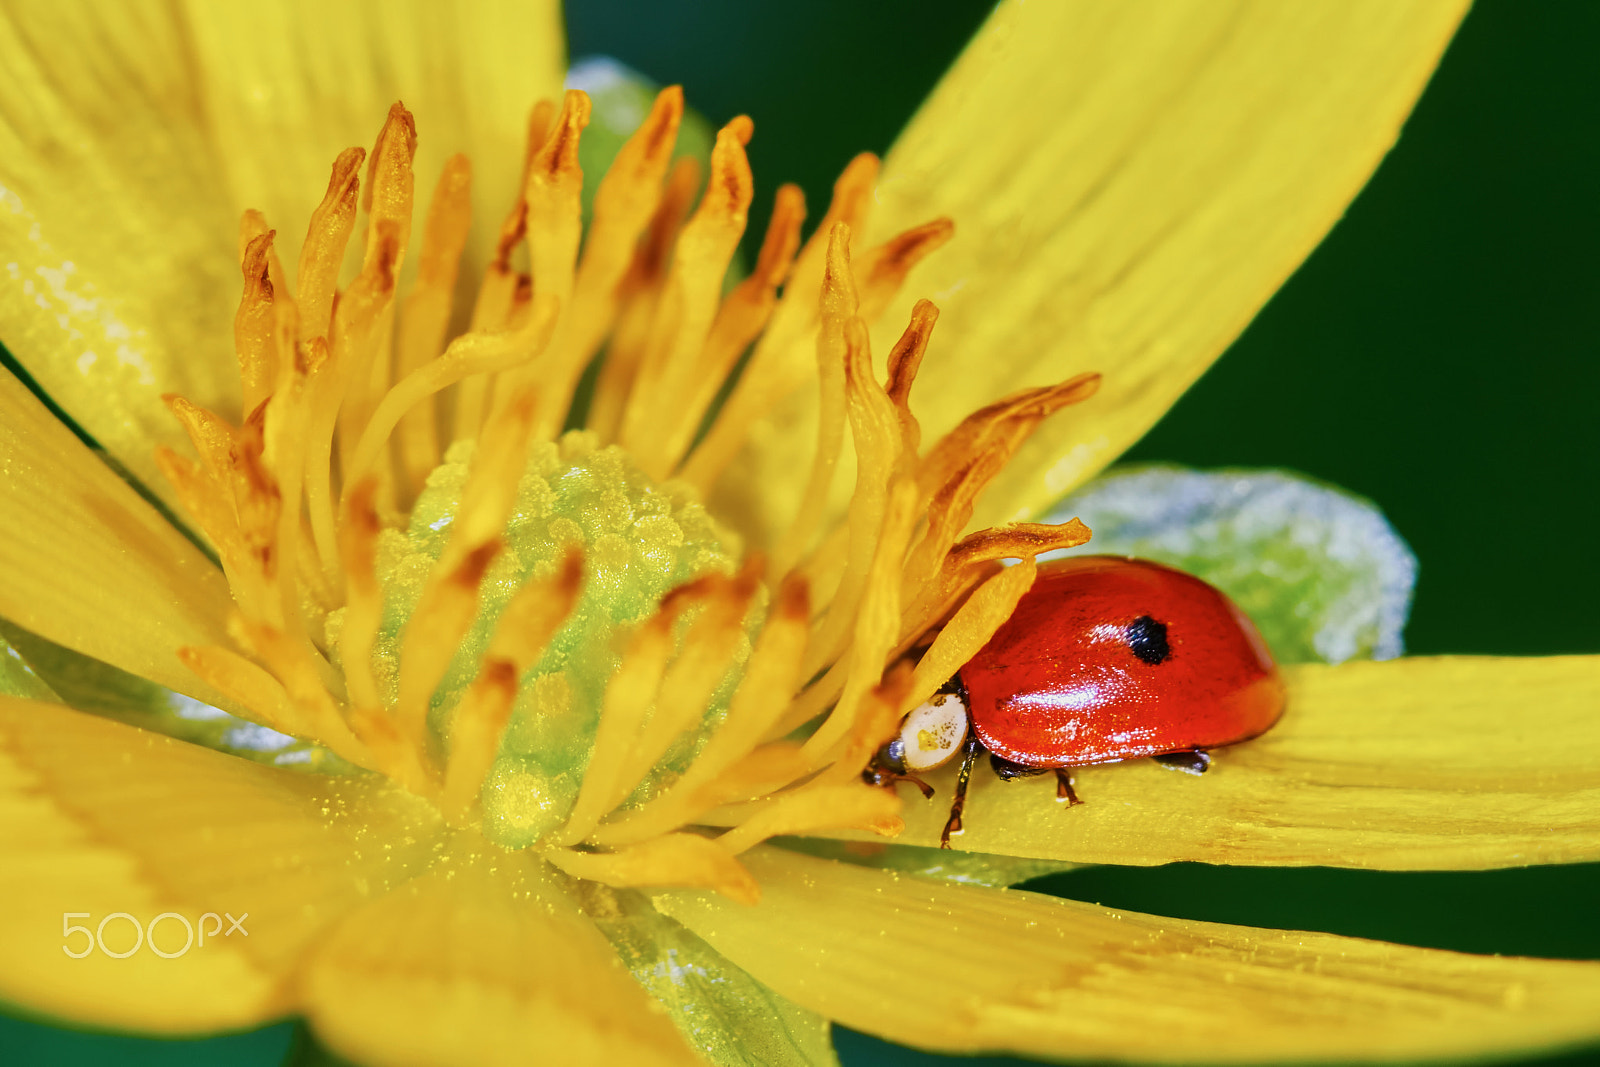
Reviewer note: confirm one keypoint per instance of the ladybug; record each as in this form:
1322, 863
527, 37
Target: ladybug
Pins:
1105, 658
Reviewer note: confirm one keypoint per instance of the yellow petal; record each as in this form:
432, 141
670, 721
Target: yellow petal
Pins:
119, 273
97, 818
483, 961
729, 1017
1448, 763
968, 968
88, 564
1129, 183
289, 86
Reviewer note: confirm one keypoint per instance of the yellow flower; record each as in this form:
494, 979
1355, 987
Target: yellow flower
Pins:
1193, 154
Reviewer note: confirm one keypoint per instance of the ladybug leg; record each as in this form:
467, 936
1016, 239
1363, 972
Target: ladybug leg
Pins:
969, 756
882, 776
1064, 790
1005, 770
1195, 761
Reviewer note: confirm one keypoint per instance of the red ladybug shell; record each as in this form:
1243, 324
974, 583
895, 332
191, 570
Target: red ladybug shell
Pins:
1079, 673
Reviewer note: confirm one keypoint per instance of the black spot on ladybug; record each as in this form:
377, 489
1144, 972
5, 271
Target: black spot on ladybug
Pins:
1148, 639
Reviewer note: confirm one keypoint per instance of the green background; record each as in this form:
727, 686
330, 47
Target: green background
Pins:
1438, 354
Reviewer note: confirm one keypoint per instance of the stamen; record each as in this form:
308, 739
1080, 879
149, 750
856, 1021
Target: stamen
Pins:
834, 807
247, 684
449, 604
694, 289
709, 648
555, 228
627, 198
770, 678
370, 301
685, 860
878, 721
305, 686
990, 605
497, 293
526, 625
479, 721
742, 317
877, 624
875, 426
628, 698
358, 543
905, 359
884, 268
470, 354
425, 315
970, 561
778, 365
322, 254
640, 296
967, 458
838, 309
253, 324
998, 429
477, 666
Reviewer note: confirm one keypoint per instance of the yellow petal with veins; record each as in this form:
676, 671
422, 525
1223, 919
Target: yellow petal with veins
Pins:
119, 272
88, 564
969, 968
289, 86
1129, 184
1448, 763
98, 818
484, 961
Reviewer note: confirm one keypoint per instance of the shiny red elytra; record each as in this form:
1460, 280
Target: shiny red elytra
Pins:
1105, 659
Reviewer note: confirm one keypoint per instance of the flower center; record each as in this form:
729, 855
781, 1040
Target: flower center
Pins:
640, 541
545, 636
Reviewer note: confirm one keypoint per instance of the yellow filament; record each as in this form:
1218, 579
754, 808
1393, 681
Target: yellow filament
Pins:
475, 731
877, 623
990, 605
473, 353
969, 562
626, 200
875, 425
553, 194
885, 267
770, 678
535, 612
323, 251
689, 305
905, 359
363, 596
774, 370
388, 199
629, 695
685, 860
247, 683
740, 320
696, 673
253, 323
878, 721
838, 307
639, 299
836, 807
425, 315
445, 611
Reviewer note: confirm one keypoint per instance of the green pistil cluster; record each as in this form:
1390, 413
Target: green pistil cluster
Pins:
639, 540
